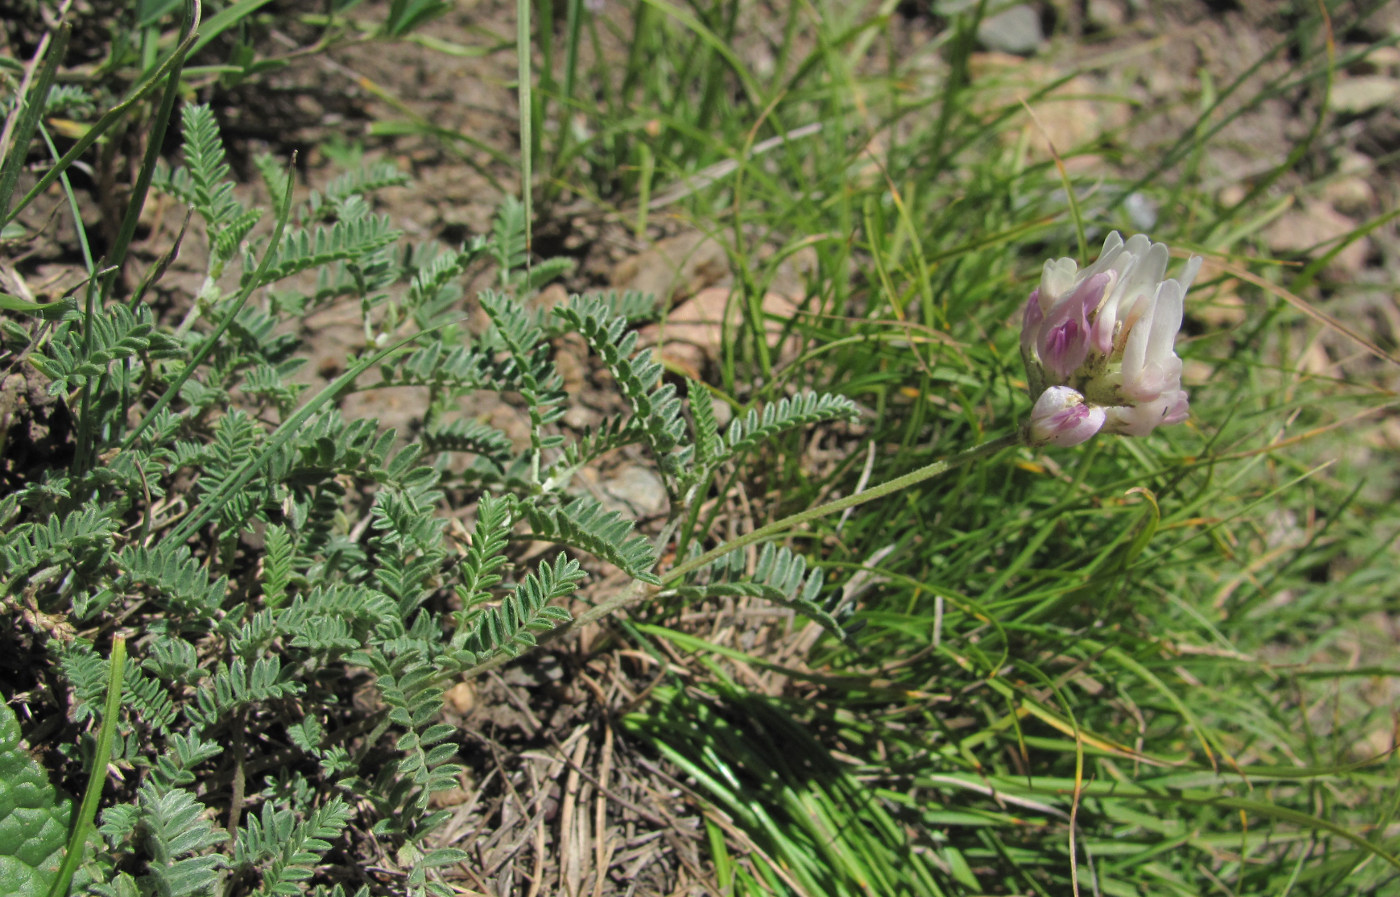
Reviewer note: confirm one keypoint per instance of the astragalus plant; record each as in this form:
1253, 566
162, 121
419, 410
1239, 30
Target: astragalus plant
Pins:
257, 557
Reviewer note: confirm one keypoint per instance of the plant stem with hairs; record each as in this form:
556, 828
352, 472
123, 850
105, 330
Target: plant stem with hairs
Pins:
639, 591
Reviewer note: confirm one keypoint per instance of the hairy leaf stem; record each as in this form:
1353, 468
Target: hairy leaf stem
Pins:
833, 507
640, 590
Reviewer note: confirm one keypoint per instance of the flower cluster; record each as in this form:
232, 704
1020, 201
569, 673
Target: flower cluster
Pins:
1099, 344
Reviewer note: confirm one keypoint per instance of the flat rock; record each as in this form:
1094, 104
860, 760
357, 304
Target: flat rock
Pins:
1105, 13
695, 332
1314, 223
1014, 30
1357, 96
637, 490
1351, 195
675, 267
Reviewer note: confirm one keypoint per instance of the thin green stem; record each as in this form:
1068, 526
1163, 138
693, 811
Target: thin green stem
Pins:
109, 118
155, 139
897, 484
30, 101
527, 113
97, 774
284, 211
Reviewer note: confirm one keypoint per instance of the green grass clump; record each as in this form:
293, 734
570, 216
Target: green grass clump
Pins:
1141, 666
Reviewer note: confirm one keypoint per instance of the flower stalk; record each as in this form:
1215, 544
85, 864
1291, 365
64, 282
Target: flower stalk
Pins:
640, 591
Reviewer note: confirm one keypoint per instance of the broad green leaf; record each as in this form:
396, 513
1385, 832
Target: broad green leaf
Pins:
33, 818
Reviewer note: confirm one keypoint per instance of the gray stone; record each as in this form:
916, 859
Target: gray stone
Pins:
1364, 94
1013, 30
635, 490
1142, 210
1105, 14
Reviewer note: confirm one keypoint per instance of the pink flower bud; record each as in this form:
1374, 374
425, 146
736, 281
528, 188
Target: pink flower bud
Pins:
1062, 417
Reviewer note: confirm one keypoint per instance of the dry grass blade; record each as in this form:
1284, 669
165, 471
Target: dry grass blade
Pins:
1308, 309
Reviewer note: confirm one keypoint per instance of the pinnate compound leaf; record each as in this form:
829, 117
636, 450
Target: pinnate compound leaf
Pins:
511, 627
177, 832
638, 375
344, 240
746, 433
780, 575
33, 819
466, 435
584, 523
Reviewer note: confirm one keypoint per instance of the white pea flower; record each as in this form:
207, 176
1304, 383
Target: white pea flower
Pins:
1099, 344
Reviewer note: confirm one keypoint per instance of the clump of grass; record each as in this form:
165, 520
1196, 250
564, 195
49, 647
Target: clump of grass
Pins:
1133, 668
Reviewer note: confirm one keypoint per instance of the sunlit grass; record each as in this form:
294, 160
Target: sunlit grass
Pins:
1045, 697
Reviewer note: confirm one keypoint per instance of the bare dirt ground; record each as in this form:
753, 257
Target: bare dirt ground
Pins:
557, 800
